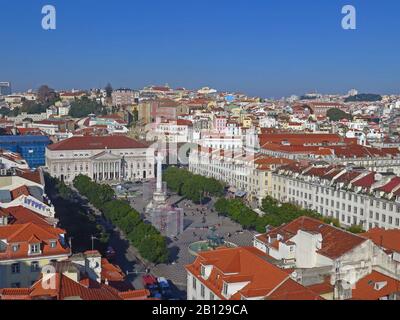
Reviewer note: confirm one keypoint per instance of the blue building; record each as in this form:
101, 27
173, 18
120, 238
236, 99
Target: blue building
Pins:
5, 88
31, 148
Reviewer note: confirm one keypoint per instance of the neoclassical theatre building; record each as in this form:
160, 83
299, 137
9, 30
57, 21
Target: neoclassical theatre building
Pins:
103, 158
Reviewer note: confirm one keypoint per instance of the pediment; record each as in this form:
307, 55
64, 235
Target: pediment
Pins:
106, 156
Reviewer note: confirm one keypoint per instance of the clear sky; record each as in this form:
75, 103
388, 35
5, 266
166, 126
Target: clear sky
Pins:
268, 48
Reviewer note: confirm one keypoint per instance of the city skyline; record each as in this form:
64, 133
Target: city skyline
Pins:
266, 49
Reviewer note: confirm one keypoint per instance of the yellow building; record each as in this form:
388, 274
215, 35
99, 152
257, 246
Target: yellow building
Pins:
25, 249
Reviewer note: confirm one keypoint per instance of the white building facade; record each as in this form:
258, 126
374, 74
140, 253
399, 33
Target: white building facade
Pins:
103, 159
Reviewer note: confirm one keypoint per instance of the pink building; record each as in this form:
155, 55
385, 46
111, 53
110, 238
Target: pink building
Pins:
220, 124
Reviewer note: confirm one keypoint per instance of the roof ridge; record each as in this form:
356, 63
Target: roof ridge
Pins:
21, 228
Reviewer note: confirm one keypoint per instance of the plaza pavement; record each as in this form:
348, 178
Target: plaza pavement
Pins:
195, 230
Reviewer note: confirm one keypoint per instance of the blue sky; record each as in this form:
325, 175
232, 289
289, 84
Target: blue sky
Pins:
268, 48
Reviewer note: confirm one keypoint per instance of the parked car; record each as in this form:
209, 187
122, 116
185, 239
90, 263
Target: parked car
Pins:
165, 287
151, 284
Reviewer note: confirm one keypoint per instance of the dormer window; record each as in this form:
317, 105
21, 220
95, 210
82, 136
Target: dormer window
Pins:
34, 248
203, 271
15, 247
53, 244
225, 289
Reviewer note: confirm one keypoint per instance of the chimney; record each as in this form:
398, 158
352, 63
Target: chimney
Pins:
93, 265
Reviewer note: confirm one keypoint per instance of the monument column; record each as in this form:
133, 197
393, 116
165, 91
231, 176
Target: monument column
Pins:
159, 159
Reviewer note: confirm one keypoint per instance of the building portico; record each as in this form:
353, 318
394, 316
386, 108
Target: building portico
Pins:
103, 159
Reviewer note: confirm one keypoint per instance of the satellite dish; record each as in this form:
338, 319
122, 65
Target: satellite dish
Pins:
294, 275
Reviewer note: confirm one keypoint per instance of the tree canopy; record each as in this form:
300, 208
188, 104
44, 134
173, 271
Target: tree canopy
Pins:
151, 245
275, 214
83, 107
337, 115
193, 187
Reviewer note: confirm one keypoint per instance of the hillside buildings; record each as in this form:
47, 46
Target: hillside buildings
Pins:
354, 196
124, 97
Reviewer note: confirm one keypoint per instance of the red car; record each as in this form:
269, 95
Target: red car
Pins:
149, 281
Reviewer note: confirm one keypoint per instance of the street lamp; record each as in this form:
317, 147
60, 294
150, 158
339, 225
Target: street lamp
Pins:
93, 238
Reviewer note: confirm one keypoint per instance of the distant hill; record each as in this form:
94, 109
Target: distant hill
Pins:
364, 97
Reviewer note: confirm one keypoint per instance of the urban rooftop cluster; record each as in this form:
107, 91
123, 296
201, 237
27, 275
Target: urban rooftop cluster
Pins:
167, 193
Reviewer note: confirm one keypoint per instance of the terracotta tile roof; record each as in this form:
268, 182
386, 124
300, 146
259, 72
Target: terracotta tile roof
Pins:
15, 294
375, 286
243, 265
25, 234
135, 295
299, 139
35, 176
66, 288
97, 143
365, 182
348, 177
335, 242
391, 185
358, 151
30, 131
291, 290
111, 272
322, 288
21, 191
387, 239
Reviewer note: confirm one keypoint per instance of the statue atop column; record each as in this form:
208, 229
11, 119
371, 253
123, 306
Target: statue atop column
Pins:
159, 196
168, 220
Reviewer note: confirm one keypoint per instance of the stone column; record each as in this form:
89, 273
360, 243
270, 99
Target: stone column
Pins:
159, 160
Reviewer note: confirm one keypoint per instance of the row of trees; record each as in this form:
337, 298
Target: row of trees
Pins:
276, 214
79, 223
193, 187
150, 243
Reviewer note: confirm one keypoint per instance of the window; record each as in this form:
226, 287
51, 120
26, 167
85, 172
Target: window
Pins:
194, 283
15, 268
212, 296
15, 247
35, 267
225, 291
35, 248
203, 271
202, 291
53, 244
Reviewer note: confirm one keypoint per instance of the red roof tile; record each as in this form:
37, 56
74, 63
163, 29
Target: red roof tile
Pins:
375, 286
335, 242
387, 239
97, 143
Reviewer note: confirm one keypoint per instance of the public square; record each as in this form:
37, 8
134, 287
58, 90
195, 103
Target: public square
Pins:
198, 220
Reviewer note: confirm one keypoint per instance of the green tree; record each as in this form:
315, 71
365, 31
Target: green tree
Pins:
84, 107
356, 229
337, 115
